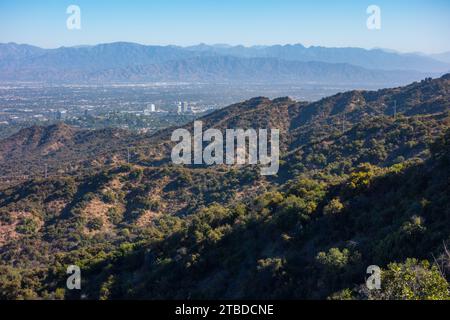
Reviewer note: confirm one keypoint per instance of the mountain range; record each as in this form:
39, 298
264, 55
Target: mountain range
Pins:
130, 62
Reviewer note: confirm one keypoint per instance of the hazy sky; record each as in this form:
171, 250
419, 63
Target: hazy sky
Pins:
406, 25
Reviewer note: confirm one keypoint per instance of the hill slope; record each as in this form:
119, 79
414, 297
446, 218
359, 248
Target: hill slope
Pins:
358, 184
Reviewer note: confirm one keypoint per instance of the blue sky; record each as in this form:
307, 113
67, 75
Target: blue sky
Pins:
414, 25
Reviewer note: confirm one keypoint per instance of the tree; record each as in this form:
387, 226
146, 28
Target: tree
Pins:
412, 280
335, 206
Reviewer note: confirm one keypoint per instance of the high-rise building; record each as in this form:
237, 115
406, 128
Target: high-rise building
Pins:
150, 108
61, 115
185, 106
179, 110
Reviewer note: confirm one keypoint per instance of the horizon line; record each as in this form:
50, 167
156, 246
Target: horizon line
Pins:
388, 50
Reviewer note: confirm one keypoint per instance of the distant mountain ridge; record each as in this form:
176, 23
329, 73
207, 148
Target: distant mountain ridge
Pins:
224, 69
130, 62
444, 57
372, 59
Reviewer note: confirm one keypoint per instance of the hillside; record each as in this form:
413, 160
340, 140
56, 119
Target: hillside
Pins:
311, 240
63, 149
363, 180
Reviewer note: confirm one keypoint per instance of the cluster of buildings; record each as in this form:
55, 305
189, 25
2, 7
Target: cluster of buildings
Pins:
61, 115
183, 107
186, 108
151, 108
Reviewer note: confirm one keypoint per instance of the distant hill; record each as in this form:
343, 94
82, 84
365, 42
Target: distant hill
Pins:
61, 148
10, 52
444, 57
129, 62
371, 59
227, 69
